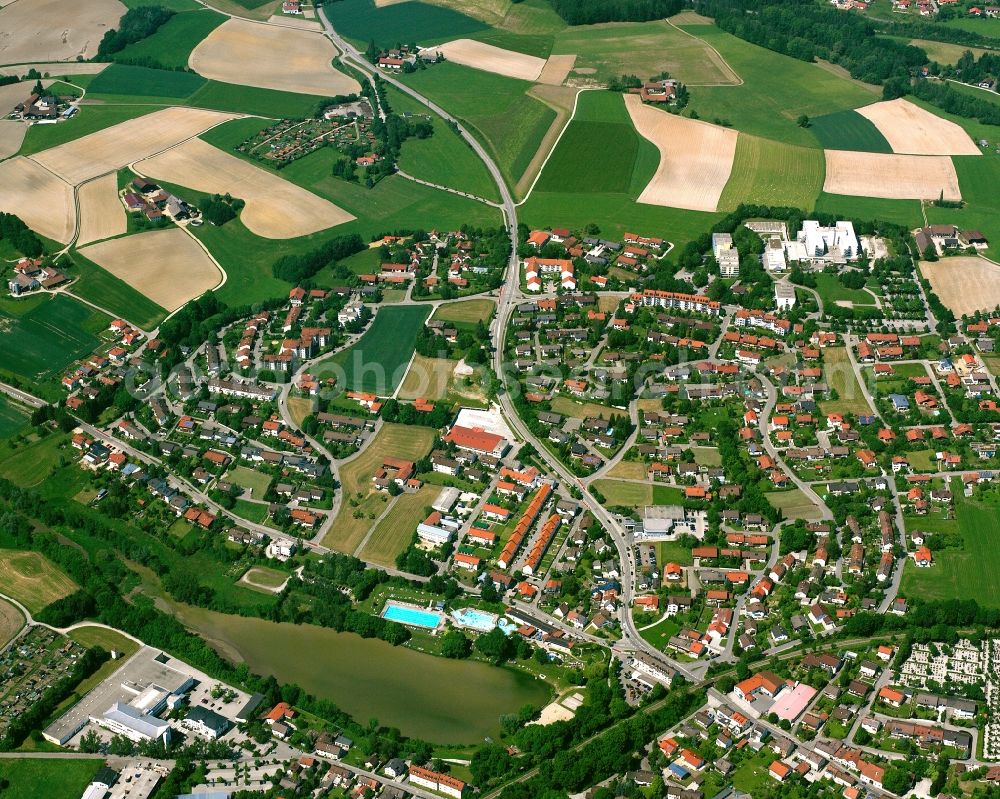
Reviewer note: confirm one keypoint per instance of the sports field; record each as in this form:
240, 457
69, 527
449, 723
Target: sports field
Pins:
39, 344
30, 778
600, 134
101, 287
839, 375
767, 172
268, 580
510, 122
173, 42
393, 533
360, 502
32, 579
777, 89
465, 312
378, 361
967, 572
848, 130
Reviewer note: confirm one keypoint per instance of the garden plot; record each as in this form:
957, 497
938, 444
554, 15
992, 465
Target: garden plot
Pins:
101, 212
891, 176
168, 266
910, 129
479, 55
964, 284
271, 57
696, 158
54, 30
42, 200
275, 208
110, 149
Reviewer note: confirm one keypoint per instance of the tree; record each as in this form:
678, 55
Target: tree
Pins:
455, 645
90, 742
803, 121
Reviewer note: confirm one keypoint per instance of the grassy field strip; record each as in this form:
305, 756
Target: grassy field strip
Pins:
393, 532
768, 172
839, 375
32, 579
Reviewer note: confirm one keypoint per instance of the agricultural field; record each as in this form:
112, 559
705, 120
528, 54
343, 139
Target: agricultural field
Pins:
911, 129
284, 59
171, 45
128, 80
793, 504
645, 49
39, 198
11, 136
902, 212
777, 89
377, 361
978, 179
600, 133
412, 21
101, 287
39, 344
964, 284
29, 778
510, 122
97, 117
771, 173
101, 212
891, 176
465, 312
166, 266
11, 621
839, 375
965, 572
490, 58
13, 418
32, 579
31, 33
392, 535
275, 208
427, 378
28, 465
848, 130
696, 158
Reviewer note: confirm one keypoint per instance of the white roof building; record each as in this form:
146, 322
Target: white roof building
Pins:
834, 243
784, 296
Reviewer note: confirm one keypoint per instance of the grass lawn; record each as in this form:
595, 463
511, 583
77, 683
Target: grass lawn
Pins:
11, 621
902, 212
147, 82
922, 460
966, 573
428, 378
360, 21
581, 410
102, 288
839, 375
173, 42
91, 119
628, 470
443, 158
618, 492
378, 361
257, 482
793, 504
831, 290
771, 173
30, 464
254, 512
660, 633
752, 775
673, 552
978, 177
32, 579
30, 778
351, 524
508, 121
393, 533
600, 133
707, 456
299, 408
264, 576
644, 49
848, 130
465, 312
39, 344
13, 417
777, 90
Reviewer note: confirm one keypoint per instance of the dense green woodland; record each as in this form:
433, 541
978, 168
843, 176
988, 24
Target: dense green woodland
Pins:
136, 24
587, 12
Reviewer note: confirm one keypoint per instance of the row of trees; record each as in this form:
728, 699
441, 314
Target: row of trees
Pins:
588, 12
20, 236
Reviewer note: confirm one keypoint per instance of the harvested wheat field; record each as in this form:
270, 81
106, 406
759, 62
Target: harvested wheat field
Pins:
891, 176
110, 149
964, 284
696, 158
42, 200
479, 55
14, 93
11, 135
557, 69
271, 57
57, 68
101, 212
910, 129
54, 30
275, 208
168, 266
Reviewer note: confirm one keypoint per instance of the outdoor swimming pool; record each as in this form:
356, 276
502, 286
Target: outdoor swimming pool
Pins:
475, 619
415, 617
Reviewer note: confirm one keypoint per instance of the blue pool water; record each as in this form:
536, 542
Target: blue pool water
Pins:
412, 616
475, 619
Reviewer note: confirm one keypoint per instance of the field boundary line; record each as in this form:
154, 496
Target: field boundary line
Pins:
722, 58
555, 144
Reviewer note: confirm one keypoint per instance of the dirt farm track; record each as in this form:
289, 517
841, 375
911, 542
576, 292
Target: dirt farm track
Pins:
964, 284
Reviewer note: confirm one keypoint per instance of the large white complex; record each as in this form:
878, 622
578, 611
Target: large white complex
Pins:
817, 242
